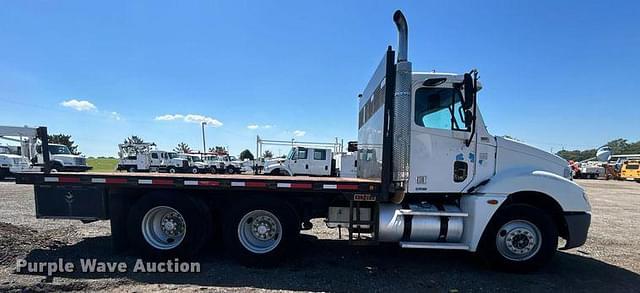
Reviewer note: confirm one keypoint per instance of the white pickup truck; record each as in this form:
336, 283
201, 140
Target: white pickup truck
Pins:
314, 162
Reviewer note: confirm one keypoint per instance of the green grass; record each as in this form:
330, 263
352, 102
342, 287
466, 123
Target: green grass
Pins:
102, 165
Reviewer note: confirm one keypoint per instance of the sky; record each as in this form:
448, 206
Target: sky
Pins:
555, 74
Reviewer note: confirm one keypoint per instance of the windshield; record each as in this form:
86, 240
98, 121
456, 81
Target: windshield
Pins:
232, 158
292, 152
172, 155
196, 159
59, 150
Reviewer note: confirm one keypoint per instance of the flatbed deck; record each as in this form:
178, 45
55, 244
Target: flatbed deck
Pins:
213, 181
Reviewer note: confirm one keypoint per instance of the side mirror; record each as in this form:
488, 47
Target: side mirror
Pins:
469, 91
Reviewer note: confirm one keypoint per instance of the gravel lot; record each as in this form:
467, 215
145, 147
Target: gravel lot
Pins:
608, 262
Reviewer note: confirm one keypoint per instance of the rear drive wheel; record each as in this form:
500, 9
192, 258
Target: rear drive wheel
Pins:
161, 226
259, 232
520, 238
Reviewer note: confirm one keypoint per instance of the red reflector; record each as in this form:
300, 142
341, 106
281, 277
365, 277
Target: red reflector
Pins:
116, 180
69, 179
492, 201
255, 184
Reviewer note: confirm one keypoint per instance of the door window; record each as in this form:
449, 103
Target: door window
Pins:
154, 155
302, 154
319, 155
439, 108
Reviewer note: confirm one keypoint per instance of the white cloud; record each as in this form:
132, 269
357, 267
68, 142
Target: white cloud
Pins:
79, 105
299, 133
256, 126
169, 117
191, 118
115, 116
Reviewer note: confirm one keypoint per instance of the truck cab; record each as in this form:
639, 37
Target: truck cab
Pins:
196, 165
450, 183
11, 162
303, 161
62, 159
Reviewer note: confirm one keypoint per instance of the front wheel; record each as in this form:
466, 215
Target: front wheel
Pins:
520, 238
194, 170
172, 170
260, 232
231, 170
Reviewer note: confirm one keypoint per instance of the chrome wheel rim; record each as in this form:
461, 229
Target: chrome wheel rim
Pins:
194, 170
518, 240
172, 170
163, 227
259, 231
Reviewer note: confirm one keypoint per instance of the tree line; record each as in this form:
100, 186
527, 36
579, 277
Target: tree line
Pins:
618, 146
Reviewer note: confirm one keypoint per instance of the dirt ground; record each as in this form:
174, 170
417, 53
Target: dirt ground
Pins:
608, 262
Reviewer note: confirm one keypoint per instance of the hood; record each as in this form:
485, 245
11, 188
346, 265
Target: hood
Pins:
10, 156
514, 154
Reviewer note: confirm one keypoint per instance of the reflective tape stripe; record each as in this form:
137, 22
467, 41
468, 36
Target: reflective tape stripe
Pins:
98, 180
145, 181
237, 184
329, 186
50, 179
255, 184
347, 187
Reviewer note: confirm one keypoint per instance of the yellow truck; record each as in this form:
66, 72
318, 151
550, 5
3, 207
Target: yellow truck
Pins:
630, 170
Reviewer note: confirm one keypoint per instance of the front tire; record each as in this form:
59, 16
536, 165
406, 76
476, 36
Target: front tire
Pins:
231, 170
194, 170
259, 232
162, 226
520, 238
172, 170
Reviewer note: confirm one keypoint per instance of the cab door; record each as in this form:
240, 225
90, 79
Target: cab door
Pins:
441, 161
299, 164
320, 162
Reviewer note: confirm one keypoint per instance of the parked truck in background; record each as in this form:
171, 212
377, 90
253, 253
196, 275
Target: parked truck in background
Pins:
430, 176
313, 161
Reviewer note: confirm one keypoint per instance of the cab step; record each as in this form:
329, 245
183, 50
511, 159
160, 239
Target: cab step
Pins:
434, 245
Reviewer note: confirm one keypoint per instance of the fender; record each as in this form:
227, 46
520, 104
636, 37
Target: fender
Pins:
270, 168
569, 195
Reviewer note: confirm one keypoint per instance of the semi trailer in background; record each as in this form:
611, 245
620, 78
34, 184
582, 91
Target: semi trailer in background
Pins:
430, 176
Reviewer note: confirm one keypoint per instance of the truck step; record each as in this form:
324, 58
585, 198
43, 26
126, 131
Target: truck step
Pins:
434, 245
407, 212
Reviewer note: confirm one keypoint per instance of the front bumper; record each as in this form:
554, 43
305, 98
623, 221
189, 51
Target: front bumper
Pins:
577, 228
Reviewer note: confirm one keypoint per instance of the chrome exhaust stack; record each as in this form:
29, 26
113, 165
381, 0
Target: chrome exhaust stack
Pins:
401, 111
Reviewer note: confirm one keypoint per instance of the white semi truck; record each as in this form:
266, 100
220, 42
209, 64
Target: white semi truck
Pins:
430, 176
